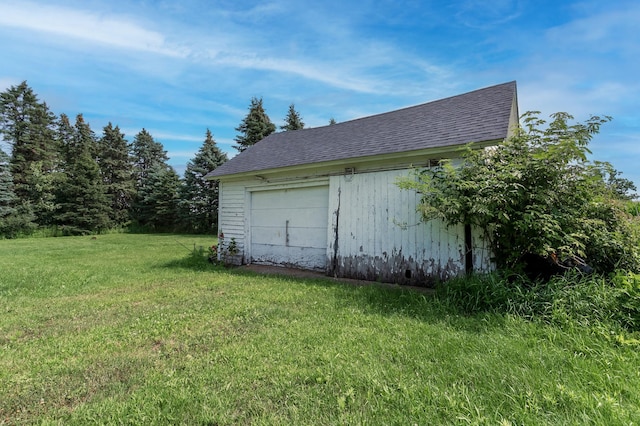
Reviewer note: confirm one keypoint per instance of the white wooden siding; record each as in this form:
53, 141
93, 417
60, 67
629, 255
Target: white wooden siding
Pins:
377, 234
231, 217
365, 227
289, 227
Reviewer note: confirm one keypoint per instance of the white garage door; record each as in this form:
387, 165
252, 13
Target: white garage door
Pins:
289, 227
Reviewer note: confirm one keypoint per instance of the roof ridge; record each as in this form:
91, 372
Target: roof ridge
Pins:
448, 98
479, 115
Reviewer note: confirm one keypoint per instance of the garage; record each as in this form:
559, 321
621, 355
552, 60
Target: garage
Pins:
288, 227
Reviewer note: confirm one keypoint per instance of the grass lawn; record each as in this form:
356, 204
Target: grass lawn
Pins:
131, 329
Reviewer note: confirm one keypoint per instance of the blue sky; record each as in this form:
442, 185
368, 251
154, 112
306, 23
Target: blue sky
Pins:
177, 68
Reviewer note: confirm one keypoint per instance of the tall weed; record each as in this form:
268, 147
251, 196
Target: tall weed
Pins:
628, 299
572, 300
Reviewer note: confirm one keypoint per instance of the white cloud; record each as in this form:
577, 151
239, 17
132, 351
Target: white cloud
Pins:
585, 66
344, 61
160, 135
331, 75
612, 29
182, 154
482, 14
116, 31
549, 95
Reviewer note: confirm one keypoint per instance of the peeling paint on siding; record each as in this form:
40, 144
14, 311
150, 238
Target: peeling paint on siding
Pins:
372, 232
382, 236
334, 260
397, 269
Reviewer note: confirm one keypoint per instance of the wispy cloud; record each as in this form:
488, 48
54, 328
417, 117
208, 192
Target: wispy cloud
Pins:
111, 30
613, 29
316, 72
344, 61
482, 14
177, 68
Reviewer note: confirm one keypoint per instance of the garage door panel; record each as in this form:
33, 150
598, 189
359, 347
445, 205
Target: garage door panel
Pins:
304, 257
297, 217
305, 237
270, 200
289, 227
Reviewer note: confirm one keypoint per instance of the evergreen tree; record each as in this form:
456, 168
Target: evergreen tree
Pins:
13, 218
332, 121
156, 203
199, 203
117, 173
17, 106
254, 127
28, 126
66, 138
157, 185
7, 196
146, 153
84, 205
292, 120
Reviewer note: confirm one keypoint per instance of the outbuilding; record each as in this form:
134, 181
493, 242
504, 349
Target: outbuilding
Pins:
326, 198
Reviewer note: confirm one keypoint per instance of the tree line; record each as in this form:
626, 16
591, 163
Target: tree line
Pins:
60, 175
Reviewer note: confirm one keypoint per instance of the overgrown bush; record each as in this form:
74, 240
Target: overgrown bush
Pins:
628, 299
538, 193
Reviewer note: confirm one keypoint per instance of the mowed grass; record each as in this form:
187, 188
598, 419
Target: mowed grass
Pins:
133, 329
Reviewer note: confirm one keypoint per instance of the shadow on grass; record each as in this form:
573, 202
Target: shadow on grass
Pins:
369, 297
196, 262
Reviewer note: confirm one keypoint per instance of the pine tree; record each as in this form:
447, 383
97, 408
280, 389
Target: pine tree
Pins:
254, 127
28, 126
332, 121
292, 120
66, 140
199, 203
117, 173
157, 185
17, 106
146, 153
7, 196
156, 203
13, 217
65, 137
84, 205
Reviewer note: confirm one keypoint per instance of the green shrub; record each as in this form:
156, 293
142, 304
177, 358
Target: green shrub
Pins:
572, 300
628, 286
537, 192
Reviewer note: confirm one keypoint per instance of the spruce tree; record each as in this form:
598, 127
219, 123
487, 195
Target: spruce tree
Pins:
14, 219
146, 153
65, 137
292, 121
84, 205
117, 173
157, 185
199, 205
7, 196
156, 203
254, 127
28, 126
66, 141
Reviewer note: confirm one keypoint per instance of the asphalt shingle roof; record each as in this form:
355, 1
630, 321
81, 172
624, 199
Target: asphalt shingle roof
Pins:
481, 115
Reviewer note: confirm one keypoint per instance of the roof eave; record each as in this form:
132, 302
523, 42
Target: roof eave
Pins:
437, 152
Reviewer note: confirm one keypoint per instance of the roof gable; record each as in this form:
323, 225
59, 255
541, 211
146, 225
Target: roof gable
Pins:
478, 116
